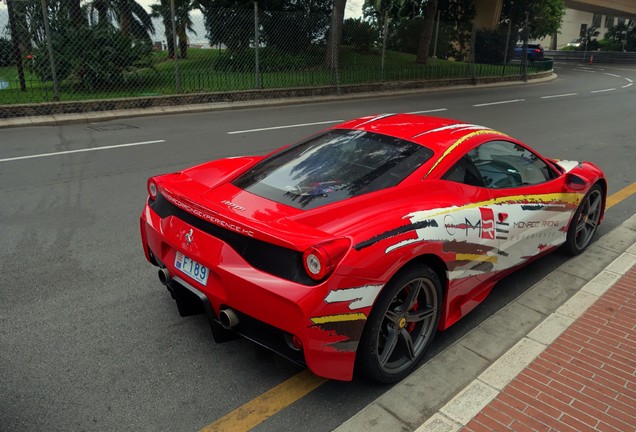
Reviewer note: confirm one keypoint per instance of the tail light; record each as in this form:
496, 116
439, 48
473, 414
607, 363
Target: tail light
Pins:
537, 50
152, 189
321, 260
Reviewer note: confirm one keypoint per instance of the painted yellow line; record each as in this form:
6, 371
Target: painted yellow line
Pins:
621, 195
286, 393
266, 405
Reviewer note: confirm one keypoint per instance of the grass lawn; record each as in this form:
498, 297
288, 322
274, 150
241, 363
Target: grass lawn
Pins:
203, 71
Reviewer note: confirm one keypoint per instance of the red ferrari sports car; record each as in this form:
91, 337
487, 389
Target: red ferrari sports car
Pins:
351, 249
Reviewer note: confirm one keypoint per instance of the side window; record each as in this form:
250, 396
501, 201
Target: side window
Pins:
503, 164
464, 171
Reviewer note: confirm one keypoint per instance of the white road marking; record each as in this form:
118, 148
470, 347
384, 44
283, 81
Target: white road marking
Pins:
629, 80
428, 111
499, 103
627, 85
585, 70
284, 127
81, 150
611, 74
559, 95
604, 90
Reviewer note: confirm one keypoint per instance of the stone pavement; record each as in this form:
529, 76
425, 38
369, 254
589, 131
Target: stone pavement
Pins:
561, 357
584, 381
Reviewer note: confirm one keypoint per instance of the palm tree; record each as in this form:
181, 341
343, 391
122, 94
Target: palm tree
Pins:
132, 18
76, 14
182, 20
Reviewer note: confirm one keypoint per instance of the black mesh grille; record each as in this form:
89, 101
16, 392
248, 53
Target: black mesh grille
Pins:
276, 260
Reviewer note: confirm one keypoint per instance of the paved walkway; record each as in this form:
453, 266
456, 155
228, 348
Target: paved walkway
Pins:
584, 381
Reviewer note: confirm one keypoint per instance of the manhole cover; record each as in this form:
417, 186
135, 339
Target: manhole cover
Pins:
112, 127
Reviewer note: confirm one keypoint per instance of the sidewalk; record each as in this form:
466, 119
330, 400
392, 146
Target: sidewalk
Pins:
571, 366
584, 381
189, 108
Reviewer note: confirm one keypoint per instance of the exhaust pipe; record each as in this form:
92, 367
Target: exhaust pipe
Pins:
164, 276
228, 318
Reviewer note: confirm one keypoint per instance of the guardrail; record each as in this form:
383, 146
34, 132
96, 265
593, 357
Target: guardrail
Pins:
598, 56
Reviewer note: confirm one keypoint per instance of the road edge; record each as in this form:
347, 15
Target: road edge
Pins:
99, 116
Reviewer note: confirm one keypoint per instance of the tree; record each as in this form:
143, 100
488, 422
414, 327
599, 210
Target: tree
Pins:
404, 35
102, 7
620, 37
359, 34
293, 26
132, 18
21, 19
376, 9
76, 15
427, 32
228, 22
408, 21
182, 20
335, 33
458, 16
288, 25
589, 41
544, 16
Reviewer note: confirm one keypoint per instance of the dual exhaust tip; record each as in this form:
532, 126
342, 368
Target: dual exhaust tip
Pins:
164, 276
227, 317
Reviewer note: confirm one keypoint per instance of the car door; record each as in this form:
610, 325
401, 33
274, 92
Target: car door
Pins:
470, 225
529, 209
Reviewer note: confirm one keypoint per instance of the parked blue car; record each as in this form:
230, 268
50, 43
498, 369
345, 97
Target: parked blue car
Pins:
534, 53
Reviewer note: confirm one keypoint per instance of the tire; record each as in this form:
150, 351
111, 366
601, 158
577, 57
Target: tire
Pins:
585, 221
399, 329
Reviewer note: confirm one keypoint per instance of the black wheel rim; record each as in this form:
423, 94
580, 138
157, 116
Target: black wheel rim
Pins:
407, 326
588, 219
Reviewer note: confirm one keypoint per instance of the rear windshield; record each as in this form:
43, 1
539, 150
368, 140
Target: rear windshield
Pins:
334, 166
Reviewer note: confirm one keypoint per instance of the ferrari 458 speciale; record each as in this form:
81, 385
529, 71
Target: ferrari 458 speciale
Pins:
351, 249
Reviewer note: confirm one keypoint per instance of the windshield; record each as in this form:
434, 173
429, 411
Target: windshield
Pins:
334, 166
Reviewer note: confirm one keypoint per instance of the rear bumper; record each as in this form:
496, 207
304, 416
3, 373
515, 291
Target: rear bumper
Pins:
271, 310
191, 301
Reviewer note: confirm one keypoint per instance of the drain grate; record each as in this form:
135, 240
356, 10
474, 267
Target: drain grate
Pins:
112, 127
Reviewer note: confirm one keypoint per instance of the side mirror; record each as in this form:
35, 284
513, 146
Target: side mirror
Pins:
574, 182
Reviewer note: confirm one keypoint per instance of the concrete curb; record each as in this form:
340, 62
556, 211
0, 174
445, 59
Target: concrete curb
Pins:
492, 354
97, 116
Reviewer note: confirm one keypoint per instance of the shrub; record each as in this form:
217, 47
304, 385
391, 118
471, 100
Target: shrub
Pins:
96, 56
610, 45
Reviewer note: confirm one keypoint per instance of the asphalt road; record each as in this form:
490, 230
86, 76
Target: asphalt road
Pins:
89, 339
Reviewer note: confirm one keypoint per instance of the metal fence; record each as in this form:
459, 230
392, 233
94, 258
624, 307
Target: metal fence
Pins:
593, 56
61, 50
